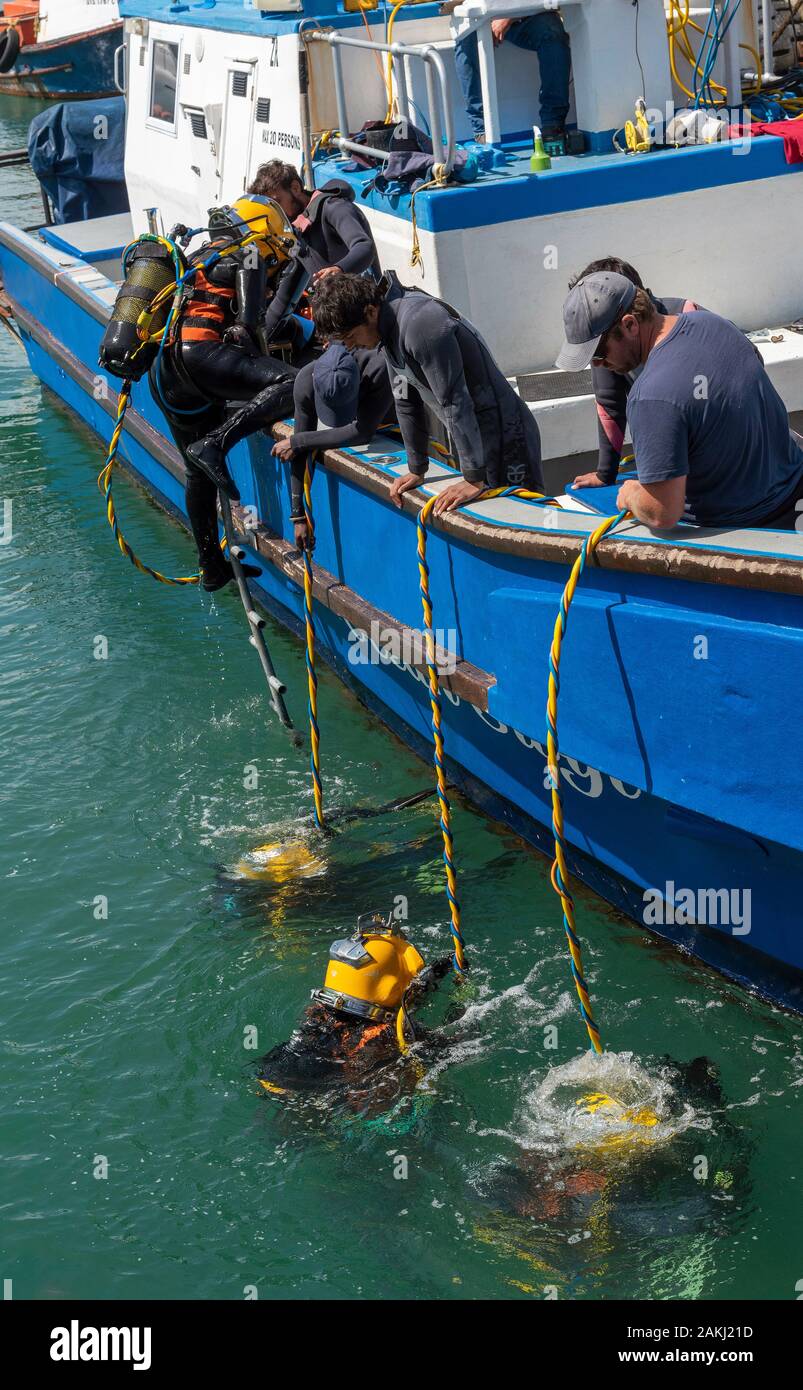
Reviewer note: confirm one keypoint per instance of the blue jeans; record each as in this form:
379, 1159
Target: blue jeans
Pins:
543, 34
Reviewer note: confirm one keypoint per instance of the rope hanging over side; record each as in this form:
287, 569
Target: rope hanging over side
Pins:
440, 179
459, 959
560, 872
312, 679
105, 485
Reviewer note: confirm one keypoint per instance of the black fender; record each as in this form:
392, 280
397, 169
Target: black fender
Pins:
10, 45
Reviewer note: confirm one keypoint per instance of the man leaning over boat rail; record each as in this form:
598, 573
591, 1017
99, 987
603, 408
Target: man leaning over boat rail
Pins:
611, 389
349, 397
436, 358
710, 433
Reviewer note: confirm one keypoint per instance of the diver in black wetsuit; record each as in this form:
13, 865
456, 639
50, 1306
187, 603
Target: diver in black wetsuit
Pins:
349, 397
217, 358
334, 229
349, 1033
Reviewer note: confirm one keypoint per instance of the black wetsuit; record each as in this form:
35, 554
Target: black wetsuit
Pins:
336, 1049
437, 358
375, 407
202, 372
338, 232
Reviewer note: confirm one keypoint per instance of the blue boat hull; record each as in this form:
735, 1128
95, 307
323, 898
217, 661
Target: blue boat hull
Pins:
634, 702
77, 67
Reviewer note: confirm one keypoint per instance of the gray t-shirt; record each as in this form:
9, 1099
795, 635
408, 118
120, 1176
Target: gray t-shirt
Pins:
704, 408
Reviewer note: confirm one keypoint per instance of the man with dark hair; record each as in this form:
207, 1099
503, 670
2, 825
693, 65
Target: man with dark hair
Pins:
611, 389
710, 432
436, 358
332, 227
348, 395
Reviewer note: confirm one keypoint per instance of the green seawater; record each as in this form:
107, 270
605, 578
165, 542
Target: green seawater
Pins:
139, 1158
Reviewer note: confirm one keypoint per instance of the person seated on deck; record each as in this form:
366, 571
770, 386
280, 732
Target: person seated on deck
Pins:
541, 33
216, 358
350, 397
437, 358
337, 233
710, 433
611, 389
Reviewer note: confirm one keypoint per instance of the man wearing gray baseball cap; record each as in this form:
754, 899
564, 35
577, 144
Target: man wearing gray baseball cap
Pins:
595, 304
710, 432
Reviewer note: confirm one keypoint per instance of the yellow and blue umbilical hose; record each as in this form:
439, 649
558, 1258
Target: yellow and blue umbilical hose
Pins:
560, 871
105, 485
459, 958
312, 679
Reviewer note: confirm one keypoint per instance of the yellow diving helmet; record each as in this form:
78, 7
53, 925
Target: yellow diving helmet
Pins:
261, 216
370, 972
630, 1125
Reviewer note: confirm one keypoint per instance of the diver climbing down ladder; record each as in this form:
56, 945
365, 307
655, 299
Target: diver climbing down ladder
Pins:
140, 327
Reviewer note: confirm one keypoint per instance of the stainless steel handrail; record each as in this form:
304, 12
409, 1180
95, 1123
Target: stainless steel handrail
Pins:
441, 126
120, 83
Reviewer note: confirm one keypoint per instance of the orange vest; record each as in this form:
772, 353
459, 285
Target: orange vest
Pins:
210, 310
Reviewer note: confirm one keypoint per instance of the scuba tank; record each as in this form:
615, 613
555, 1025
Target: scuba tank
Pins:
149, 267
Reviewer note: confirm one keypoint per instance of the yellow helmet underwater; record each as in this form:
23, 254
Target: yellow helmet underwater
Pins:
630, 1126
370, 972
259, 217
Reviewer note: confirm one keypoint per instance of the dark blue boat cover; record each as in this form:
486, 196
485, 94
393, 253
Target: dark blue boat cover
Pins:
76, 150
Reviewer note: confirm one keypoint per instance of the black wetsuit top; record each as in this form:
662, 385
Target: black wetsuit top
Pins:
375, 407
436, 357
337, 231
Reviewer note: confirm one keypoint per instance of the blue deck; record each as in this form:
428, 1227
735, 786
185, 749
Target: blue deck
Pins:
234, 16
510, 193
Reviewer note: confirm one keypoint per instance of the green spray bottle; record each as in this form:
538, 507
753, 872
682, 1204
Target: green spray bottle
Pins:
539, 159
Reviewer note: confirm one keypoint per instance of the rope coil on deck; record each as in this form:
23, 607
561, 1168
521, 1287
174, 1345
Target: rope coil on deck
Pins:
312, 679
560, 871
459, 959
105, 485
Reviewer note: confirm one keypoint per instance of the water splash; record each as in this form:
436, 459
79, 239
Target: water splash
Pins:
608, 1103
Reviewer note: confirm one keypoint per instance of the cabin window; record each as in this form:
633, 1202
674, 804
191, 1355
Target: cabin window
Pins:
164, 82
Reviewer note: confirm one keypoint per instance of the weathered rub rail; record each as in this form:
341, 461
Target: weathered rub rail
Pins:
672, 560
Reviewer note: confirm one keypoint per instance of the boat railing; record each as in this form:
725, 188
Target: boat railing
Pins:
120, 77
441, 125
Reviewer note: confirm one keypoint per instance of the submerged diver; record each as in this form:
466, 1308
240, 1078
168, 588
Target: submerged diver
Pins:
357, 1024
217, 357
619, 1167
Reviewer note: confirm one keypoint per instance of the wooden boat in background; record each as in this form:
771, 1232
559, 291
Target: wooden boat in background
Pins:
59, 48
